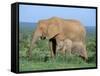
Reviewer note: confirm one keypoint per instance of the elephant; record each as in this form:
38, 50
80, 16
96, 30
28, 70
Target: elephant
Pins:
64, 46
71, 47
56, 27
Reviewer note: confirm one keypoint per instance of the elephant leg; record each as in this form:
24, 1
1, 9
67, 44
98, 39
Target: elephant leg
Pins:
64, 50
52, 45
69, 51
51, 51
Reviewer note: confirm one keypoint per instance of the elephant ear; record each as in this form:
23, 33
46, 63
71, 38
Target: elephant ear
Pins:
53, 29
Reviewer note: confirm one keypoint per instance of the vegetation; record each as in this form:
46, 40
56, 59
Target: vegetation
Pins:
41, 54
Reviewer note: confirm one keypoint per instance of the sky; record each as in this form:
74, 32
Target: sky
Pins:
34, 13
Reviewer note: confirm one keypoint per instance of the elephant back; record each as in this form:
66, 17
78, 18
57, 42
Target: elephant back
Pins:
74, 30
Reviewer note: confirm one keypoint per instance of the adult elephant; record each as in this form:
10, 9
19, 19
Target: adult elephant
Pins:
55, 27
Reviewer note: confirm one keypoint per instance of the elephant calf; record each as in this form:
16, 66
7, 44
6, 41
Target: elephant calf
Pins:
64, 46
68, 46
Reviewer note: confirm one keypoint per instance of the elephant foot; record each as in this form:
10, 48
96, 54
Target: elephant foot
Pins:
53, 56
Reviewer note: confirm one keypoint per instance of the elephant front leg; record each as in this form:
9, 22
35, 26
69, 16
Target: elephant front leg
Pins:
51, 49
52, 46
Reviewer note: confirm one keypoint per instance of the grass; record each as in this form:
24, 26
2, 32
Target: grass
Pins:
41, 56
49, 66
58, 63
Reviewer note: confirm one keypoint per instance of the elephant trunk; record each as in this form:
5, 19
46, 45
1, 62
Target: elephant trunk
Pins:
35, 37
